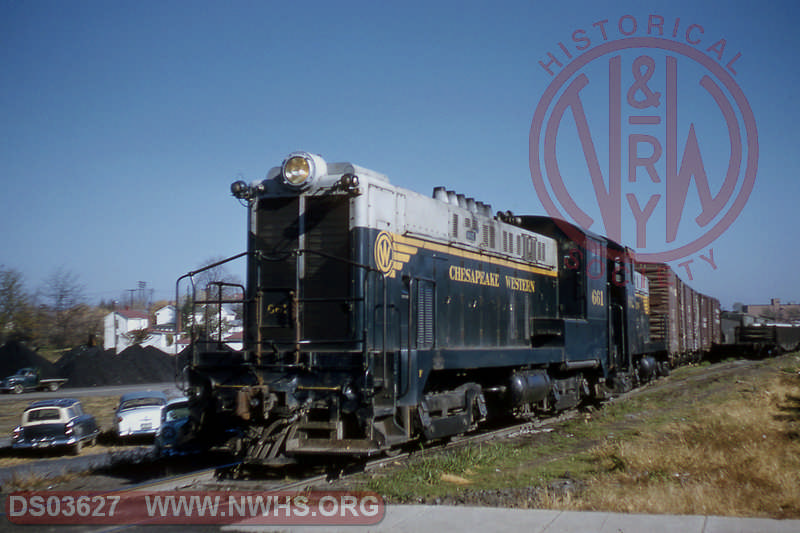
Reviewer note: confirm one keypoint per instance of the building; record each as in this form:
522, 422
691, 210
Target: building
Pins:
121, 328
126, 328
775, 311
167, 315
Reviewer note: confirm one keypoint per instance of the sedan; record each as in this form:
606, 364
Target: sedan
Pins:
171, 435
61, 422
139, 413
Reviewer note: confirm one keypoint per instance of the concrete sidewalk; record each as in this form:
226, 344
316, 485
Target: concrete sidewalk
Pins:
441, 519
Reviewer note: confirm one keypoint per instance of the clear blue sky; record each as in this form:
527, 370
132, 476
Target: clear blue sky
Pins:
124, 123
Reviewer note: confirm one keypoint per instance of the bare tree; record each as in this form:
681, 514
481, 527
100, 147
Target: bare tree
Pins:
16, 315
137, 336
64, 299
210, 285
219, 273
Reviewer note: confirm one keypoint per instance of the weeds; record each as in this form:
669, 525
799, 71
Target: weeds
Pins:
435, 472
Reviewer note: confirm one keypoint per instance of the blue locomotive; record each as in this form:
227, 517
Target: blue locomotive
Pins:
375, 316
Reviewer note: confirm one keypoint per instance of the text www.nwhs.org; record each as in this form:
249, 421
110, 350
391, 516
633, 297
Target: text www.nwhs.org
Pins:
190, 507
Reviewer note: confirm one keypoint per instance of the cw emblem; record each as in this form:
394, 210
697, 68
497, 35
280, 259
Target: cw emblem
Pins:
384, 252
391, 253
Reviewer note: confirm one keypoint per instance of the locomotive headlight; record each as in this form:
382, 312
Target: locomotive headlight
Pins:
240, 190
296, 170
300, 169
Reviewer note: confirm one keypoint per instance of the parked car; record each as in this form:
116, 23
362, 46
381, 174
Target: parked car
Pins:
60, 422
139, 413
28, 379
174, 417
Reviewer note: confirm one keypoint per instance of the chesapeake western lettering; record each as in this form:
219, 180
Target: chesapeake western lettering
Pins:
490, 279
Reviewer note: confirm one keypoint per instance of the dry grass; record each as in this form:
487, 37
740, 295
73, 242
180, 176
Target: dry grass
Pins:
35, 481
737, 458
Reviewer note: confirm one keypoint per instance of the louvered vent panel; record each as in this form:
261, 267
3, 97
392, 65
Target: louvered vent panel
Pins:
425, 314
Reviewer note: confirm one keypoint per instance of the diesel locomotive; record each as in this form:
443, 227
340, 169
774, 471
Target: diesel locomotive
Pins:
375, 316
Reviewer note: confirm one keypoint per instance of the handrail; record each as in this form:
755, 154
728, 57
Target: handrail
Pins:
190, 275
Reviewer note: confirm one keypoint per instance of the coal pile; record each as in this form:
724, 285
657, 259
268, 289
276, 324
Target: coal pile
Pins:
14, 356
89, 367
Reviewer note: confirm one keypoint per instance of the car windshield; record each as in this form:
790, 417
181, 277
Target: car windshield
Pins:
176, 412
142, 402
37, 415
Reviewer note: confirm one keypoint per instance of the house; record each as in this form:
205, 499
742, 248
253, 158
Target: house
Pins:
224, 314
125, 328
166, 315
119, 327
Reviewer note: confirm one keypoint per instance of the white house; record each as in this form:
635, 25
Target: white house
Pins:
224, 312
166, 315
162, 335
119, 325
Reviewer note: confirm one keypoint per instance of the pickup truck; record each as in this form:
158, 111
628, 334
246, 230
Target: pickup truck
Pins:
28, 379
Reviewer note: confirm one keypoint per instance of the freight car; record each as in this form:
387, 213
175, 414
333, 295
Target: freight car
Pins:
375, 316
684, 324
742, 334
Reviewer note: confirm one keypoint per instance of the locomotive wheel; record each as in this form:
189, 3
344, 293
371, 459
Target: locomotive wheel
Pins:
393, 452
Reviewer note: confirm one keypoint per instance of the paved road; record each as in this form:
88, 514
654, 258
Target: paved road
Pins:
436, 519
114, 390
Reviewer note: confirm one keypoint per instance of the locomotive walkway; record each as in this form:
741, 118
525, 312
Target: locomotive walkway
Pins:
440, 518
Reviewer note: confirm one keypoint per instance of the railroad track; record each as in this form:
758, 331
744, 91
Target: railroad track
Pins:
219, 477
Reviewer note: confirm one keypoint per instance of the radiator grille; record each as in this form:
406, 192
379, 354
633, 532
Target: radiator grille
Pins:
327, 273
323, 312
274, 269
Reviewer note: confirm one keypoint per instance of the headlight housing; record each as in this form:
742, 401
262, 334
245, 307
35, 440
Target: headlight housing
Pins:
301, 169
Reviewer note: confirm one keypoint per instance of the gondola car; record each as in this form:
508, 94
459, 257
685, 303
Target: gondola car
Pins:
376, 316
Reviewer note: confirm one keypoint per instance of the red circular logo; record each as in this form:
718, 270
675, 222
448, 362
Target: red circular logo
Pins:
649, 136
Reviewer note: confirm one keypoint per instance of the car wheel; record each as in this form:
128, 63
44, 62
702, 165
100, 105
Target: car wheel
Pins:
18, 389
53, 387
76, 448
